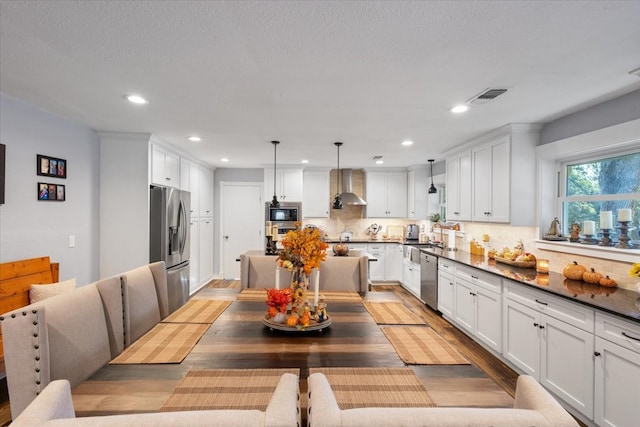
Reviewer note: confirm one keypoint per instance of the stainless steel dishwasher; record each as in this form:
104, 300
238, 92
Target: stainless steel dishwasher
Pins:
429, 279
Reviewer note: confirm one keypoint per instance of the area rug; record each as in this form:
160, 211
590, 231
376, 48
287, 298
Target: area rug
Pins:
225, 389
198, 311
392, 313
329, 296
376, 387
417, 345
165, 343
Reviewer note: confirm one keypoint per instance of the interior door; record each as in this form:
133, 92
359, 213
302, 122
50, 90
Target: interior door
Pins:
241, 224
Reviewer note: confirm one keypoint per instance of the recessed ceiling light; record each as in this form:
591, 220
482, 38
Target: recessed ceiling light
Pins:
136, 99
459, 108
379, 162
194, 138
224, 160
305, 161
407, 142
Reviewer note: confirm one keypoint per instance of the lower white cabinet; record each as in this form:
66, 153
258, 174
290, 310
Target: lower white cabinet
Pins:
411, 277
479, 310
558, 354
445, 291
617, 372
393, 262
377, 269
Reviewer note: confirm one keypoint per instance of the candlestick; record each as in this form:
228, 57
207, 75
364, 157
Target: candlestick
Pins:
606, 241
624, 237
606, 220
316, 286
624, 215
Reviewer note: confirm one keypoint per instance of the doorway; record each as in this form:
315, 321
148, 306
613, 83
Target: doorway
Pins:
241, 223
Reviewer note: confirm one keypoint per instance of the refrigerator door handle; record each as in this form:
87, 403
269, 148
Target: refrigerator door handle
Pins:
182, 221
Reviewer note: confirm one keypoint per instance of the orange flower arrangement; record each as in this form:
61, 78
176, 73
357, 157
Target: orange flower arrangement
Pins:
277, 300
303, 248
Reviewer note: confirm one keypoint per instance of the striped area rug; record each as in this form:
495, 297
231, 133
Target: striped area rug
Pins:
165, 343
417, 345
392, 313
198, 311
329, 296
376, 387
225, 389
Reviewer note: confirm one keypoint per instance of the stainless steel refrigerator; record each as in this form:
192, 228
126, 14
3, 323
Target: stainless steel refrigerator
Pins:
169, 239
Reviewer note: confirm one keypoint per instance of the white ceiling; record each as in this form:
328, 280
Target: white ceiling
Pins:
308, 73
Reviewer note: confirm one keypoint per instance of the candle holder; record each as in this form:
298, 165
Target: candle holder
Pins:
542, 266
589, 240
624, 237
271, 248
606, 241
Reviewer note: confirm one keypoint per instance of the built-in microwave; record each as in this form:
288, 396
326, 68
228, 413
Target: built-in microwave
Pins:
286, 215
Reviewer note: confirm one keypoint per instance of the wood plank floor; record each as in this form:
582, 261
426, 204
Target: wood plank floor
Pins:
238, 339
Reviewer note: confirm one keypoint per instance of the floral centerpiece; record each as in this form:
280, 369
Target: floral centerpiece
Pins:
278, 300
635, 272
303, 250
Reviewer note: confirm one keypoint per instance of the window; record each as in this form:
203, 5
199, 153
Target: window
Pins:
597, 185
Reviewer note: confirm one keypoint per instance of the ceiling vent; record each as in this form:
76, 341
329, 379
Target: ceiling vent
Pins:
486, 96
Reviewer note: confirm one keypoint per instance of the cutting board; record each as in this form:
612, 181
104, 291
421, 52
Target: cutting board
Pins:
394, 232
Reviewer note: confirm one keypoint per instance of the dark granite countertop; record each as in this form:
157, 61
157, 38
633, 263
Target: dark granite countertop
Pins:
617, 301
371, 241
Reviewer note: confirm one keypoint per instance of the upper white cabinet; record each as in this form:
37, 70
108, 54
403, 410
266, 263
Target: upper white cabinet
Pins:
417, 192
288, 184
491, 178
386, 194
316, 196
165, 167
459, 187
205, 189
494, 178
190, 181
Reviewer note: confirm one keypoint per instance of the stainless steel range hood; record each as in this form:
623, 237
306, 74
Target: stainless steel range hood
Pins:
348, 197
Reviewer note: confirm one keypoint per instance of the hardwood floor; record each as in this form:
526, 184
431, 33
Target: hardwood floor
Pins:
238, 339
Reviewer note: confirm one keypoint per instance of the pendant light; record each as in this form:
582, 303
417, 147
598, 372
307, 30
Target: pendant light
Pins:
432, 189
337, 201
274, 202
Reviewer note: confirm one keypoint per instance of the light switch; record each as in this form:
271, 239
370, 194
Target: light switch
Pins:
72, 241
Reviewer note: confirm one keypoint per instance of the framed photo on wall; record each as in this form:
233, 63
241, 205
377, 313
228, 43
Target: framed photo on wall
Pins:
51, 192
51, 166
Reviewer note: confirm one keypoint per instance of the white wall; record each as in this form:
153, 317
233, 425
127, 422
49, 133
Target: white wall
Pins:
30, 228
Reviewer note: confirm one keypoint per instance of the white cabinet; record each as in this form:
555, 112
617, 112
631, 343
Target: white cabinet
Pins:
165, 167
316, 194
446, 270
477, 303
288, 184
553, 341
417, 193
459, 187
377, 270
491, 181
411, 277
190, 181
617, 372
205, 191
393, 262
386, 194
205, 232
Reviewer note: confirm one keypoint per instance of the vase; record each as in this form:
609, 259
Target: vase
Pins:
279, 318
299, 286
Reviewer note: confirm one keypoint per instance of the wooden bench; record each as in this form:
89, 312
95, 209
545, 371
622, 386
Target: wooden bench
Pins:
16, 278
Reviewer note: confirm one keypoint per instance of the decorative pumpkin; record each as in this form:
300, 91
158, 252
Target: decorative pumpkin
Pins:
608, 282
292, 320
574, 271
592, 276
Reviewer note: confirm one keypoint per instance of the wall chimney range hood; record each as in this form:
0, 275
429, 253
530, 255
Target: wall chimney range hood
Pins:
348, 197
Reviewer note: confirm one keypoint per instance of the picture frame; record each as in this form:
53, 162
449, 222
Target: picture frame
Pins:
51, 166
51, 192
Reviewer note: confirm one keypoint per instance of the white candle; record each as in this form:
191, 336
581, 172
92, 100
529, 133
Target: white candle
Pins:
316, 285
606, 220
274, 233
589, 228
267, 231
277, 276
624, 215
